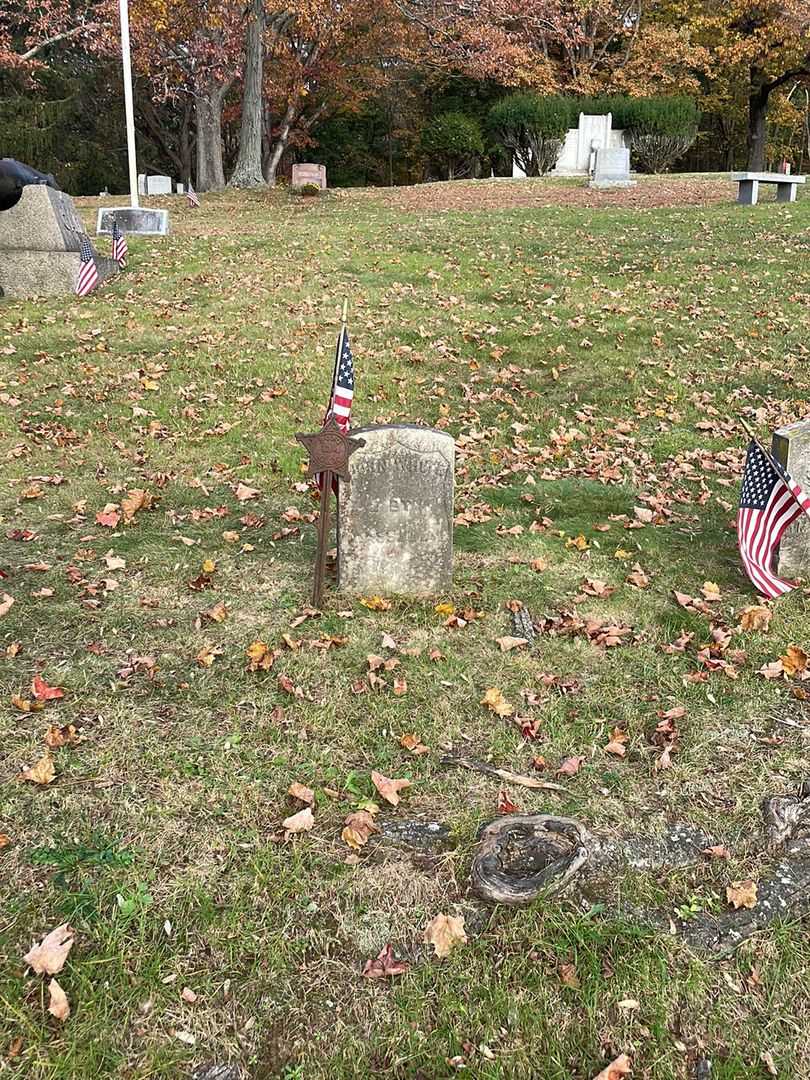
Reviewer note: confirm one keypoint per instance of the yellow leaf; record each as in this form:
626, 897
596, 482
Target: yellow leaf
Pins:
209, 566
261, 657
710, 590
444, 933
42, 772
444, 610
794, 662
755, 617
742, 894
208, 654
578, 542
375, 603
494, 700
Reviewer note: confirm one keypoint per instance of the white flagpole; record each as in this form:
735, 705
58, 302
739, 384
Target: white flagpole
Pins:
128, 106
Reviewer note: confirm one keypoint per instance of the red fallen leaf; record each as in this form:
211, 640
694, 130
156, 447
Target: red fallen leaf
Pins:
286, 684
505, 804
110, 518
384, 965
719, 851
24, 535
570, 767
43, 692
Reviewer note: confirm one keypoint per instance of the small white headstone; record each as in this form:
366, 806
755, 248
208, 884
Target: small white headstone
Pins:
181, 189
158, 185
612, 167
141, 183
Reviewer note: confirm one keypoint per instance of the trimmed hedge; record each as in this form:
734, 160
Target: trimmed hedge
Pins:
533, 128
659, 129
452, 141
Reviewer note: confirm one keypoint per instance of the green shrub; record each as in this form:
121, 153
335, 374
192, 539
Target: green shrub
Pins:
660, 130
533, 128
452, 142
308, 189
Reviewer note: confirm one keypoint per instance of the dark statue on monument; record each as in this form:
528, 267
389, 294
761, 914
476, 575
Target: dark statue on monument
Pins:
14, 176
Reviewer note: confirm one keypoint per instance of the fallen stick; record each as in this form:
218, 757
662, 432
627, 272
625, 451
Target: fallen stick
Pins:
502, 774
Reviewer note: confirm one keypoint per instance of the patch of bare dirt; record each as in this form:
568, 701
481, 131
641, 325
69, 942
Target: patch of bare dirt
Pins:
506, 194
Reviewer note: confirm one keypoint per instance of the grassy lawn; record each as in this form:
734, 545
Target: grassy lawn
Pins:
589, 360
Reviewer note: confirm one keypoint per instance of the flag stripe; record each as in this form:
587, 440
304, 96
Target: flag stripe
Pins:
770, 501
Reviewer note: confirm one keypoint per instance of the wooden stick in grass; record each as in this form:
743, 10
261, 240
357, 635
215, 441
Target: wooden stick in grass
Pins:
506, 775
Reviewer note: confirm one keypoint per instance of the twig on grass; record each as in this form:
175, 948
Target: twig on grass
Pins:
501, 774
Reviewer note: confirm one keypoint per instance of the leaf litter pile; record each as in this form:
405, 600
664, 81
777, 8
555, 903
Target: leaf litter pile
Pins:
216, 798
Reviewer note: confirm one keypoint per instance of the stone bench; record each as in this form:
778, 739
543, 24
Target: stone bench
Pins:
786, 184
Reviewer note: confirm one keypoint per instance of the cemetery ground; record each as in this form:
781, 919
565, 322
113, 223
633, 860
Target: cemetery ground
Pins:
590, 362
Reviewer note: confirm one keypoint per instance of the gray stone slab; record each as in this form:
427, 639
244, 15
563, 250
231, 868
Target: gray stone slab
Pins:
395, 520
158, 185
791, 446
43, 220
612, 163
46, 273
141, 220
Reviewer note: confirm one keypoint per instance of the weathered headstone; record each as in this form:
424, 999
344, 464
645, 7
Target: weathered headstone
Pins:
308, 173
158, 185
40, 240
791, 447
612, 168
141, 183
395, 518
146, 221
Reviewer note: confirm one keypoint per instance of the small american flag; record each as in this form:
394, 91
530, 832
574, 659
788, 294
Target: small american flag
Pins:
340, 403
119, 245
770, 500
192, 195
88, 274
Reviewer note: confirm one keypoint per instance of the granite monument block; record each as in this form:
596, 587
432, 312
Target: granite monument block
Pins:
40, 240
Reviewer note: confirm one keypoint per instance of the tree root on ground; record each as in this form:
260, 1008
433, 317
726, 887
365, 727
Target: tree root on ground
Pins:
523, 856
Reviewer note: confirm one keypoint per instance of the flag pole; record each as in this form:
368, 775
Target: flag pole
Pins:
129, 112
752, 435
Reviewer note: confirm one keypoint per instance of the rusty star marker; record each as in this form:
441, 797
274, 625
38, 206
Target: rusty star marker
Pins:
329, 450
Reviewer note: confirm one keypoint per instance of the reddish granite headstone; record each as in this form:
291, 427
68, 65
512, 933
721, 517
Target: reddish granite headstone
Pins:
307, 173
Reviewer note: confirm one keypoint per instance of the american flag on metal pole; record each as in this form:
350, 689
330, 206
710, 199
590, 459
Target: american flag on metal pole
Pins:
88, 274
770, 500
119, 245
191, 194
340, 402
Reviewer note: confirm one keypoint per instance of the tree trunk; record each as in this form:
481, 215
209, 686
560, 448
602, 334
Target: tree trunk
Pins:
208, 108
248, 170
757, 123
280, 144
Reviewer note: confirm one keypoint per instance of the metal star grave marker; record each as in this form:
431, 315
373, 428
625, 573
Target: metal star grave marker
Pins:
329, 450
